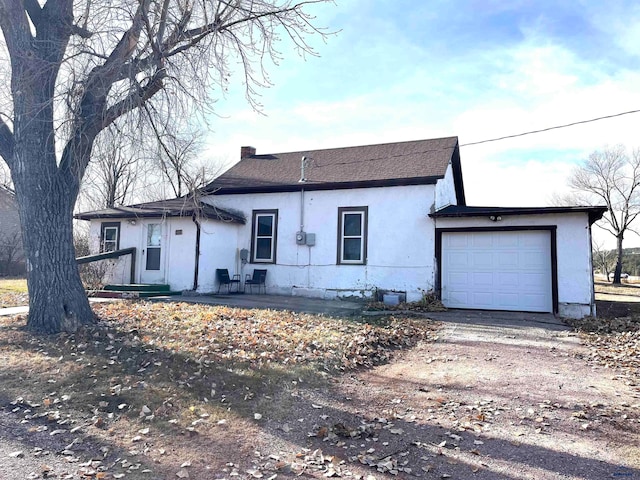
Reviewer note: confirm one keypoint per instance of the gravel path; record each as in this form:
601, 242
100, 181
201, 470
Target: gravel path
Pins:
517, 383
498, 396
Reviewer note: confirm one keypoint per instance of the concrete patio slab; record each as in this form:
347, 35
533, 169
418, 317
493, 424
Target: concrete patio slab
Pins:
339, 308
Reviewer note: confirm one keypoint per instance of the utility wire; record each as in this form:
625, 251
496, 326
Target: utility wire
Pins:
505, 137
550, 128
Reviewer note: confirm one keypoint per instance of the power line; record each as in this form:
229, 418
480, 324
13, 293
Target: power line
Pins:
551, 128
505, 137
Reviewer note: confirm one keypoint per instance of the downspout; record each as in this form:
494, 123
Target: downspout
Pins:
302, 180
302, 209
197, 265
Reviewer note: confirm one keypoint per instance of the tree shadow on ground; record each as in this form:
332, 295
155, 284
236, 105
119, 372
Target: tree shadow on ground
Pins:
110, 368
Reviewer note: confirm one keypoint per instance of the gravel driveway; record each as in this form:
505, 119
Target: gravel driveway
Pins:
498, 396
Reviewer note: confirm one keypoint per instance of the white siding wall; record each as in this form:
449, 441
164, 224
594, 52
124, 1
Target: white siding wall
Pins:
446, 190
575, 278
119, 270
400, 241
218, 249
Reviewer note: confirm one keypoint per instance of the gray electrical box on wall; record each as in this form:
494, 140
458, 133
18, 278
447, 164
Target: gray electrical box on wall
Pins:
301, 238
311, 239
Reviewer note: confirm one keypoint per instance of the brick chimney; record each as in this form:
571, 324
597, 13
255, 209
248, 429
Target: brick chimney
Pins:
247, 152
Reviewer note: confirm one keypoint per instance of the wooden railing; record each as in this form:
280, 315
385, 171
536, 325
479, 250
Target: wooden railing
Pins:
115, 254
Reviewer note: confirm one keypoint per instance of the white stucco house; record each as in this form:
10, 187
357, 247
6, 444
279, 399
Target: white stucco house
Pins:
357, 222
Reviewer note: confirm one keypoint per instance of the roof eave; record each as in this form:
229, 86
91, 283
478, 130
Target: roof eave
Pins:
226, 217
310, 186
594, 213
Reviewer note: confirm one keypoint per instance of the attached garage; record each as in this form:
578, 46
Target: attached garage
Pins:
518, 259
498, 270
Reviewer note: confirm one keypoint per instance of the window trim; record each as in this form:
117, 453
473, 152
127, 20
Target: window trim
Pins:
103, 228
254, 235
342, 211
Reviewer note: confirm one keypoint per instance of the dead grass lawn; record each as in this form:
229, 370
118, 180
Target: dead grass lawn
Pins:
622, 289
156, 389
13, 292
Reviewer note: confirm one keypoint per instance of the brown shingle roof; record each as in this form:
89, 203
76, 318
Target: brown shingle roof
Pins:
177, 207
414, 162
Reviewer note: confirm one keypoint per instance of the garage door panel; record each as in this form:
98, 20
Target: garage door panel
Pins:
533, 301
481, 242
509, 300
458, 279
511, 241
459, 296
482, 280
508, 279
458, 242
532, 280
482, 259
533, 260
497, 270
483, 299
507, 259
459, 259
532, 241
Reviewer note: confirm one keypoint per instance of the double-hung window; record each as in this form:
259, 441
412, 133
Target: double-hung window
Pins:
352, 235
109, 236
264, 236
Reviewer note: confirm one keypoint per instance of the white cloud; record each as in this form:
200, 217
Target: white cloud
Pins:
386, 88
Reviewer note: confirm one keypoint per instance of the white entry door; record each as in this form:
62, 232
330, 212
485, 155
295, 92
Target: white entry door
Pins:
505, 270
153, 251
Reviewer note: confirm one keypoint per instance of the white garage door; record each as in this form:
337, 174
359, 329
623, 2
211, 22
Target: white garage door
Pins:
497, 270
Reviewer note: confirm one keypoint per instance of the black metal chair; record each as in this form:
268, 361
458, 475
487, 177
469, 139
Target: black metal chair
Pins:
222, 275
259, 278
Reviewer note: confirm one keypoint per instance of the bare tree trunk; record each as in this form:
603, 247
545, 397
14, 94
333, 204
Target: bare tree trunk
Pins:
57, 300
605, 267
112, 68
618, 271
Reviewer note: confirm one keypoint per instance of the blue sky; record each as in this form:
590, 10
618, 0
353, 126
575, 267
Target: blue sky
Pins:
405, 70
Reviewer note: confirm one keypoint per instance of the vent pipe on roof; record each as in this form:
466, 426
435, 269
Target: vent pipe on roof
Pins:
302, 178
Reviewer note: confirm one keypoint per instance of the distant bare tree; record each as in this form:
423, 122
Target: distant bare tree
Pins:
175, 155
611, 177
114, 171
11, 258
5, 177
603, 258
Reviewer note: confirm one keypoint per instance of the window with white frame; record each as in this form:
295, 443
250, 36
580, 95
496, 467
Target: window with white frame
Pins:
109, 236
264, 236
352, 235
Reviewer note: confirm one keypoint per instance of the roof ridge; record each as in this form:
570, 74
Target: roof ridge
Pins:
355, 146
